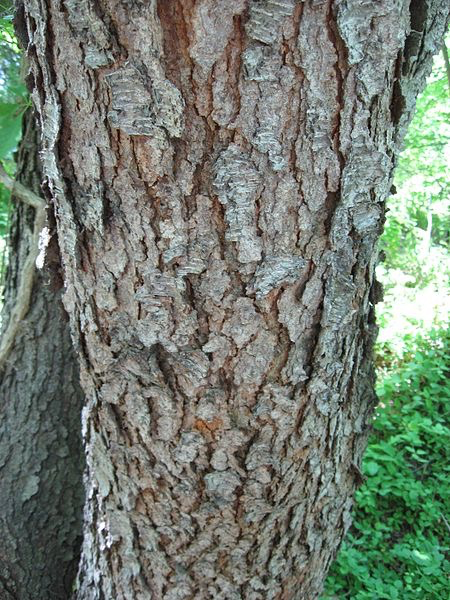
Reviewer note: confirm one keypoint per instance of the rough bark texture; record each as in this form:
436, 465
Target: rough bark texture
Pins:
219, 169
41, 465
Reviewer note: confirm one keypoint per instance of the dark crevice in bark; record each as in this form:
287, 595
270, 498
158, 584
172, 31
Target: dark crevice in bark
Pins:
398, 103
341, 69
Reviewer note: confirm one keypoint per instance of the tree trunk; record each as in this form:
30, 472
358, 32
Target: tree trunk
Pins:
219, 169
41, 490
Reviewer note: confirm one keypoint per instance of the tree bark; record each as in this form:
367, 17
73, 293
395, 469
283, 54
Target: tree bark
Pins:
41, 460
219, 171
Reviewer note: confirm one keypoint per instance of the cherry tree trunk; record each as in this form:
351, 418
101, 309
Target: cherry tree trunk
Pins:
219, 170
41, 460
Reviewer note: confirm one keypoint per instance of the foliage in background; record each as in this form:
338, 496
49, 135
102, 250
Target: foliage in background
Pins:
416, 239
399, 545
13, 94
14, 100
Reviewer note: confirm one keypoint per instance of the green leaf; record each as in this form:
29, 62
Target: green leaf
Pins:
421, 558
371, 468
10, 127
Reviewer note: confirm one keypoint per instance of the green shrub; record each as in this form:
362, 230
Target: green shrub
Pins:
399, 544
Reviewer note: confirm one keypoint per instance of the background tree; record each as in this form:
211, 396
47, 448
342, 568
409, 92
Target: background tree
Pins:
41, 462
41, 492
219, 187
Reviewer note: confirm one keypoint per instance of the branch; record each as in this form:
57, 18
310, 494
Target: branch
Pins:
25, 287
20, 191
447, 64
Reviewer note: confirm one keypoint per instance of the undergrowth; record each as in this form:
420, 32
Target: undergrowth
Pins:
399, 543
